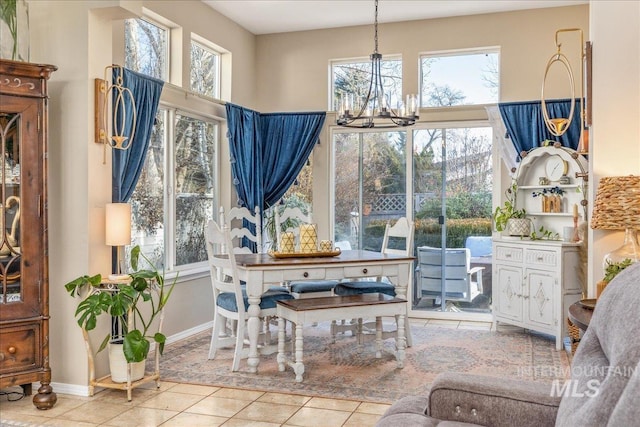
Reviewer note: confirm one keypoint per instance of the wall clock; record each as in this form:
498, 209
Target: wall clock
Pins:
555, 167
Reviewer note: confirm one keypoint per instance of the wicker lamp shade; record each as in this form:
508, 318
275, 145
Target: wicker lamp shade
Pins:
617, 205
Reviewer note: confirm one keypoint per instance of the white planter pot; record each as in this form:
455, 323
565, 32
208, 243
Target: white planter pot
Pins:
118, 365
519, 227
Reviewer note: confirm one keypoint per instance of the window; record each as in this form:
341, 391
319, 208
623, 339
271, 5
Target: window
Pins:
146, 48
185, 146
353, 77
205, 70
468, 78
177, 192
369, 185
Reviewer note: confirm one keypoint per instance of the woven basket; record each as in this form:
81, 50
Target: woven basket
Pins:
617, 204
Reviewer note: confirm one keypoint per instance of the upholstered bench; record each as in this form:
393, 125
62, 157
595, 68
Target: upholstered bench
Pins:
307, 310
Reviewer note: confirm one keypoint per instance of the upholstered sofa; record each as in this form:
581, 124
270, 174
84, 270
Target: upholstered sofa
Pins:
604, 389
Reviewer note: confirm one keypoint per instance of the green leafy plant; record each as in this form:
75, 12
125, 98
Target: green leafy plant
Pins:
613, 268
508, 210
544, 234
129, 297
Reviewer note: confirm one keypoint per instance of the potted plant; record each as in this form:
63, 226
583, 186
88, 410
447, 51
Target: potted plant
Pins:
611, 270
135, 303
508, 217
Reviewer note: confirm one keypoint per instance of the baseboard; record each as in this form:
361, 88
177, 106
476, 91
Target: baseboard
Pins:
83, 390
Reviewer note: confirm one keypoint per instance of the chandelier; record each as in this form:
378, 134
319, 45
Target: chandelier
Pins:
375, 109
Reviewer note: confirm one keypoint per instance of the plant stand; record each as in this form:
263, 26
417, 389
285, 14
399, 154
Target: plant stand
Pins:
106, 381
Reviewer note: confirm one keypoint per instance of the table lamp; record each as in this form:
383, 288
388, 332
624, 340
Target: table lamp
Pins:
118, 233
617, 207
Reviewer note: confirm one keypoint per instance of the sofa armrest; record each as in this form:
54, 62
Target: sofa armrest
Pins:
492, 401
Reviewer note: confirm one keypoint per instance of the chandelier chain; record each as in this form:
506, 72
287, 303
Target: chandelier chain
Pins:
375, 29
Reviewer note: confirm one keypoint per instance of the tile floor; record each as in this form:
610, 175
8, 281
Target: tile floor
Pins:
196, 405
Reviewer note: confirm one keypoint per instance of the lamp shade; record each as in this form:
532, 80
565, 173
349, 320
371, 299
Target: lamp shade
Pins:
118, 224
617, 205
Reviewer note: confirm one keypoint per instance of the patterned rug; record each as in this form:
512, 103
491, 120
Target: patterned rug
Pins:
342, 370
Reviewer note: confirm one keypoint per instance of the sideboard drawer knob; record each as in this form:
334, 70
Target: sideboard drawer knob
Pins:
12, 350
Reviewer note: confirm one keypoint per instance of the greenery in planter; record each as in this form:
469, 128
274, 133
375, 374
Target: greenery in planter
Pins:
613, 268
508, 210
131, 295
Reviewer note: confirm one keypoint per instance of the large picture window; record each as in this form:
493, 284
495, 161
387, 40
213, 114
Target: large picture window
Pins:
169, 225
353, 78
459, 78
146, 47
205, 70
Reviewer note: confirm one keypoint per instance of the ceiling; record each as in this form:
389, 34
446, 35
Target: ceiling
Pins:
271, 16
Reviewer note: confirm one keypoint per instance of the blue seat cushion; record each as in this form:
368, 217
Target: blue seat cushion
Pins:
364, 287
313, 286
227, 300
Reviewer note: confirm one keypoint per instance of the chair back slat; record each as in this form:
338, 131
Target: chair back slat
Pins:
224, 275
238, 220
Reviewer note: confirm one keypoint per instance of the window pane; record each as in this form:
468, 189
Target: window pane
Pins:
370, 185
464, 79
204, 70
195, 143
147, 201
355, 77
146, 48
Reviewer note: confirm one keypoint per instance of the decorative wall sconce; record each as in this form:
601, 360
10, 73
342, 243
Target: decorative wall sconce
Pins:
122, 107
558, 126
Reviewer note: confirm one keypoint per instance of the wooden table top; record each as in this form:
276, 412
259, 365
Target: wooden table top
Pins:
580, 316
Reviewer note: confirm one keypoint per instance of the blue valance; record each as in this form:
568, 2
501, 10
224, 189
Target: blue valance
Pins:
127, 164
525, 123
268, 151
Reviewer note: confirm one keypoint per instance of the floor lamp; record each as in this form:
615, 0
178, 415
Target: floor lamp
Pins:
118, 234
617, 207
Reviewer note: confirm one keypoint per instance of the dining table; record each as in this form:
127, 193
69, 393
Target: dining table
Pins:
262, 270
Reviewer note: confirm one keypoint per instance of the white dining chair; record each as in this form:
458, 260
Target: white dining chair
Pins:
403, 230
289, 220
243, 224
230, 300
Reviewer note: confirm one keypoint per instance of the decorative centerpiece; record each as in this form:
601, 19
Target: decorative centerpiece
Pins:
308, 238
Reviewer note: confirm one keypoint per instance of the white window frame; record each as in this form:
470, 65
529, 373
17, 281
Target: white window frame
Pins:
456, 52
214, 49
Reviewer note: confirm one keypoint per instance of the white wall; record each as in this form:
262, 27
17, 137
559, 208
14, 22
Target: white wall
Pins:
615, 135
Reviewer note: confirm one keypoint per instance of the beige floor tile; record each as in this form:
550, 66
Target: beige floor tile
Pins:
141, 417
267, 412
237, 422
283, 398
316, 417
218, 406
185, 419
58, 422
119, 397
442, 323
164, 385
95, 412
338, 405
201, 390
372, 408
358, 419
25, 418
234, 393
171, 401
25, 406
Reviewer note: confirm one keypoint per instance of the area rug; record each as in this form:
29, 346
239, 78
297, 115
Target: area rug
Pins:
344, 370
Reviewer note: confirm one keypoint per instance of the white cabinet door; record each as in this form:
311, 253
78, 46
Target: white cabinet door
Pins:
510, 292
540, 297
